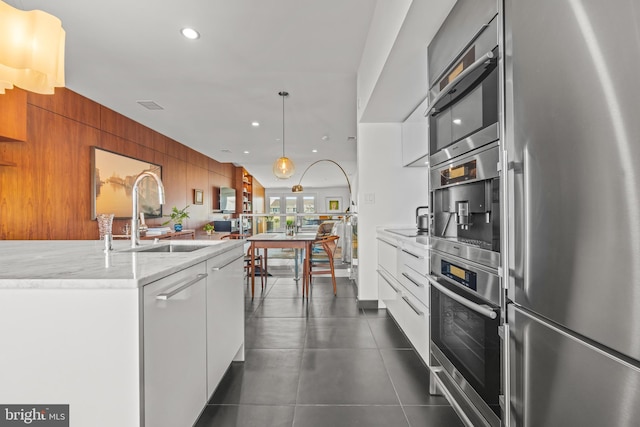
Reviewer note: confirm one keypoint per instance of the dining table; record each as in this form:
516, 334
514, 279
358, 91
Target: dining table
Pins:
298, 242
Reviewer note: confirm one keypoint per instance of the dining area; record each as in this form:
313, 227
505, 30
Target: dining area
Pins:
314, 250
312, 255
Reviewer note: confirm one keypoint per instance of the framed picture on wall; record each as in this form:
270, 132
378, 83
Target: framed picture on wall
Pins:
112, 181
198, 197
334, 205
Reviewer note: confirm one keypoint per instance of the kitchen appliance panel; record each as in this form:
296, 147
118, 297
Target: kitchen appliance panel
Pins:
473, 277
486, 167
462, 25
573, 156
558, 380
466, 344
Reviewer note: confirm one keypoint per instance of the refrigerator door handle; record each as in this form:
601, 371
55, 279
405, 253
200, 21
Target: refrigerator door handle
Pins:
482, 309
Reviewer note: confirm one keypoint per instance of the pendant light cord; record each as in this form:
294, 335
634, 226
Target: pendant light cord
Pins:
283, 94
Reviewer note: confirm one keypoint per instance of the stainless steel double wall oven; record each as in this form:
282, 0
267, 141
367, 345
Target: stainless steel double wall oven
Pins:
466, 347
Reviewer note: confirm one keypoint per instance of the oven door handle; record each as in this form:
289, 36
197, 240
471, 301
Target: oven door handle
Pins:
485, 59
482, 309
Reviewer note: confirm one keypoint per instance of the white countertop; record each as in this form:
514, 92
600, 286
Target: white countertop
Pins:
400, 232
83, 264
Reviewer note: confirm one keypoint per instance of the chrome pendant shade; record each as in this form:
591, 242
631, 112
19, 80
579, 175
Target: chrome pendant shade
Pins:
283, 168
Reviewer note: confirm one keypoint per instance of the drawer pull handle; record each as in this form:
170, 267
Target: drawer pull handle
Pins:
218, 268
412, 254
388, 243
165, 296
388, 281
412, 280
413, 307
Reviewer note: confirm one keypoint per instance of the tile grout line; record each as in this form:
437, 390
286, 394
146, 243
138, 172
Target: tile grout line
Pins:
304, 347
386, 369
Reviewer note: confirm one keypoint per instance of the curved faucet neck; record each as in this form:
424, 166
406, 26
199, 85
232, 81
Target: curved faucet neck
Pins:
135, 220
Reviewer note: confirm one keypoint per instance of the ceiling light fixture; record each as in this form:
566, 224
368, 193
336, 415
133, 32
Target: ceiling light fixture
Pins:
31, 50
283, 168
255, 124
190, 33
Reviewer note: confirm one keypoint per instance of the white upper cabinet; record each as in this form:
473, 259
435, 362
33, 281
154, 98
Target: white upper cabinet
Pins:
415, 137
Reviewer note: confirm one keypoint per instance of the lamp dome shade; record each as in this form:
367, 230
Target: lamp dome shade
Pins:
283, 168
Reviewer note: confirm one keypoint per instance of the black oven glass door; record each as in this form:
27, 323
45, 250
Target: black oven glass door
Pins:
470, 341
469, 107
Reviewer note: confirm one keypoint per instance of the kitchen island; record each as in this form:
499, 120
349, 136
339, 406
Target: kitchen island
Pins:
126, 338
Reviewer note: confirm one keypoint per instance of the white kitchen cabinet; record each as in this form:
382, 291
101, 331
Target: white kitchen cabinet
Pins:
123, 339
415, 137
175, 348
388, 254
404, 289
225, 316
413, 268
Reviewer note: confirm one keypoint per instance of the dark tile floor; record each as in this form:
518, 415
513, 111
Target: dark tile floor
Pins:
321, 363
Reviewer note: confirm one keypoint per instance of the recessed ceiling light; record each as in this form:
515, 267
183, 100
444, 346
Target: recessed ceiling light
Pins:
245, 152
255, 124
457, 121
190, 33
314, 151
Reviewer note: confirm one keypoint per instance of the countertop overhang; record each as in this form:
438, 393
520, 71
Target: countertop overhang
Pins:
83, 264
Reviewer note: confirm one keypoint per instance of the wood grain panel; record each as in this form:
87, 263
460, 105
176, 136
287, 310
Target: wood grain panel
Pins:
48, 194
258, 202
13, 115
69, 104
198, 178
177, 150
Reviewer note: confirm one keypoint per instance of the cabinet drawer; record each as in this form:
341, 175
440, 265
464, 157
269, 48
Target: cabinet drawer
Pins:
175, 380
388, 288
413, 318
388, 255
415, 283
416, 258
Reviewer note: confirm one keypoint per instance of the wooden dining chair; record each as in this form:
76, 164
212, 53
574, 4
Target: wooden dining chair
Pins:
258, 260
322, 256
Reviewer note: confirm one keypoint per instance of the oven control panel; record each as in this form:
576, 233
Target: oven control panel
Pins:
461, 275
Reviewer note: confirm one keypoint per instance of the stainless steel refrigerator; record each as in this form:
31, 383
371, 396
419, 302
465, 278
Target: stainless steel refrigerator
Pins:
572, 117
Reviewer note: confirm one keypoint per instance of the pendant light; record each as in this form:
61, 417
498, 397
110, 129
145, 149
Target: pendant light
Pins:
283, 168
31, 50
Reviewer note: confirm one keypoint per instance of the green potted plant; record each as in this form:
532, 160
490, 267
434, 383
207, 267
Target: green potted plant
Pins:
290, 227
177, 216
208, 228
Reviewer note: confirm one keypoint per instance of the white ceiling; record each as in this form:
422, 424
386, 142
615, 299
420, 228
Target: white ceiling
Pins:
119, 52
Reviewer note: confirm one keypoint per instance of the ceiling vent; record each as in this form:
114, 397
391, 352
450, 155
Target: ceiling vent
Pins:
225, 150
351, 139
150, 105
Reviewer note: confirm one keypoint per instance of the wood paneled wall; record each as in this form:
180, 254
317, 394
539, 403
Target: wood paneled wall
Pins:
47, 195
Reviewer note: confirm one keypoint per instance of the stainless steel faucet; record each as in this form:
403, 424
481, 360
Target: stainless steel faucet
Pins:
135, 221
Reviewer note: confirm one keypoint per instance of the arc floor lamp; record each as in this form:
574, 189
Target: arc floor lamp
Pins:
298, 188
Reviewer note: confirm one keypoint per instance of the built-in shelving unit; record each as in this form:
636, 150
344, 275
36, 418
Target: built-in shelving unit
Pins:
247, 199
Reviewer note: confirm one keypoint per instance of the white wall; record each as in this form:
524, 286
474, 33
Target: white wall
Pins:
385, 26
388, 195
